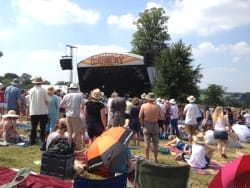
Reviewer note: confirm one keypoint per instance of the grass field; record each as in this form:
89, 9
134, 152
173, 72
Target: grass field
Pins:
18, 157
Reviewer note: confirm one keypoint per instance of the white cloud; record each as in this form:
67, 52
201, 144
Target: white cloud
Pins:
152, 5
55, 12
207, 17
123, 21
224, 64
5, 33
238, 52
227, 77
45, 63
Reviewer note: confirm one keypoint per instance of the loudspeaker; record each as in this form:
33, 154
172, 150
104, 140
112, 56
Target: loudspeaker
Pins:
66, 64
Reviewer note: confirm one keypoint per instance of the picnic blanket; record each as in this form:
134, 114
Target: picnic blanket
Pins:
174, 150
212, 169
34, 180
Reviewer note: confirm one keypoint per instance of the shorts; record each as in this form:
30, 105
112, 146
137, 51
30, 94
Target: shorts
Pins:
117, 120
221, 135
151, 130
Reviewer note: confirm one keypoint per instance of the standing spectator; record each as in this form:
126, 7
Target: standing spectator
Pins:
220, 121
73, 103
247, 119
13, 96
2, 100
38, 105
108, 108
149, 115
23, 108
174, 117
53, 110
118, 107
134, 122
167, 120
161, 122
94, 113
207, 123
191, 112
230, 116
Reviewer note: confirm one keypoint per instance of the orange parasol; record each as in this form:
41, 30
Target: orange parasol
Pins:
107, 146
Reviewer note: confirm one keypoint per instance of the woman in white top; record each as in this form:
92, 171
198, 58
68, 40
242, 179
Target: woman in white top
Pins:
201, 153
220, 121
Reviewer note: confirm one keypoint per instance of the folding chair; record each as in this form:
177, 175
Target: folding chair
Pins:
114, 182
149, 174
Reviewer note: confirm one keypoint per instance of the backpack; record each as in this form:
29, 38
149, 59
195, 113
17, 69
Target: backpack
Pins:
60, 146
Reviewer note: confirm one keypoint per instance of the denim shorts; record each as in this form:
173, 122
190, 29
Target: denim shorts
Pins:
221, 135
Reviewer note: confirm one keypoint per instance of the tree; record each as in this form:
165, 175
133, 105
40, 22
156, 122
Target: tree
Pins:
213, 95
151, 35
176, 77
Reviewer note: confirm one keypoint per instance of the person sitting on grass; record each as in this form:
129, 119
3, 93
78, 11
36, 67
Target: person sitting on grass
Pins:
122, 163
179, 144
201, 153
8, 127
61, 132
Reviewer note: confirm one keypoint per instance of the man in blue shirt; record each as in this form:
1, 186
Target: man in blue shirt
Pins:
13, 96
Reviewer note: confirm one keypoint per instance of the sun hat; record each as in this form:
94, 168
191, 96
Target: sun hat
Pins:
191, 98
37, 80
11, 113
150, 96
50, 89
15, 81
172, 101
199, 138
96, 94
158, 100
73, 86
143, 95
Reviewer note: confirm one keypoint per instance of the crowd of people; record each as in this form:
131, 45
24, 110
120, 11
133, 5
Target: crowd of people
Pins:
74, 115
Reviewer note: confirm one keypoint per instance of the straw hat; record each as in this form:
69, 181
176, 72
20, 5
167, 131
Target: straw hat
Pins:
15, 81
73, 86
143, 95
150, 96
191, 98
97, 94
172, 101
37, 80
199, 138
11, 113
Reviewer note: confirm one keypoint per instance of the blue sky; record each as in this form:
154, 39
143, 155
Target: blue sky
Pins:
33, 35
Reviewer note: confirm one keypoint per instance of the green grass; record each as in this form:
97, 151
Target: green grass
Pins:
18, 157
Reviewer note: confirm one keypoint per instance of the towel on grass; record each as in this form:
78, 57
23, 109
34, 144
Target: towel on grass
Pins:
212, 169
